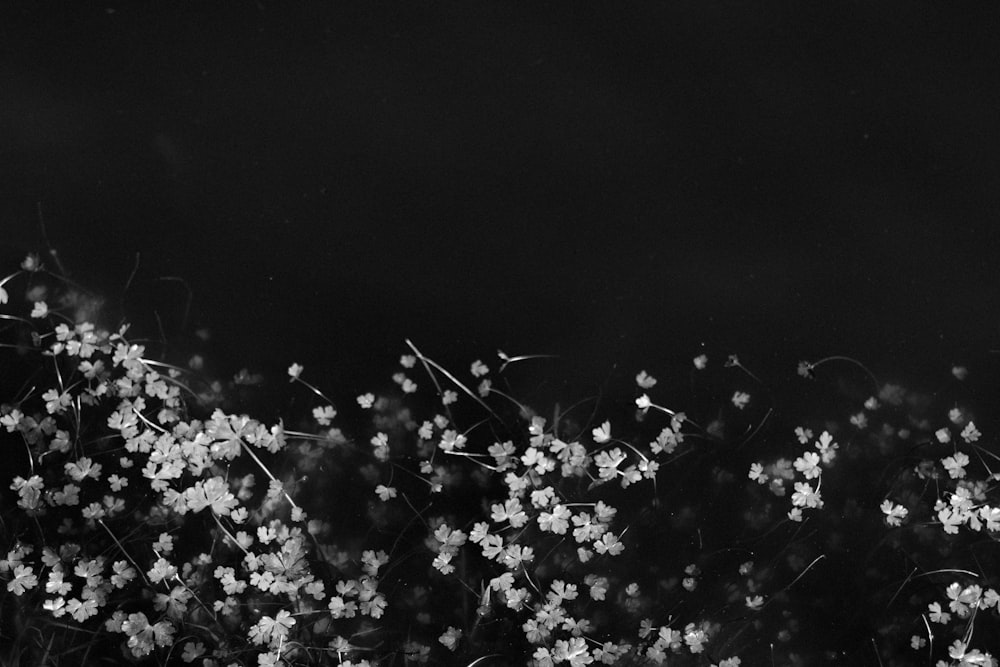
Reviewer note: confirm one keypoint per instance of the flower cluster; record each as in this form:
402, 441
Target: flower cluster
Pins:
442, 520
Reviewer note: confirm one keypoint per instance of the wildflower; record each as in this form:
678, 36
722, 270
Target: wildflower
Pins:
604, 513
757, 473
23, 580
955, 465
957, 649
827, 447
29, 491
380, 446
442, 562
502, 583
729, 662
55, 584
510, 511
479, 369
609, 544
808, 465
991, 515
700, 362
81, 610
740, 399
598, 586
561, 591
213, 493
936, 615
372, 561
943, 435
556, 521
339, 608
480, 530
57, 606
961, 599
754, 603
449, 539
532, 457
648, 468
83, 468
162, 569
991, 599
574, 650
192, 651
894, 514
602, 434
324, 414
542, 657
541, 498
450, 638
12, 420
806, 496
269, 630
970, 433
644, 380
294, 371
122, 573
695, 638
492, 546
69, 496
31, 263
366, 400
608, 462
56, 402
452, 440
384, 492
951, 519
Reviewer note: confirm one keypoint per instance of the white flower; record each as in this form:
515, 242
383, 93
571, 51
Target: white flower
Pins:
894, 514
955, 465
603, 433
645, 380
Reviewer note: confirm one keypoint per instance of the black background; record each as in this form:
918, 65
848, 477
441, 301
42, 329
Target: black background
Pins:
618, 184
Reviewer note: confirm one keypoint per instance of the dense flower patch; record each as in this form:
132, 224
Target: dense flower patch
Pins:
442, 521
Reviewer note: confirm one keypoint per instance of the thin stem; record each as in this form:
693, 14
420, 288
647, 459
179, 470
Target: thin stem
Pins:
229, 535
451, 377
121, 547
267, 472
509, 360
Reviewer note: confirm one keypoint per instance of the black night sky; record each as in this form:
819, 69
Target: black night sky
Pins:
613, 183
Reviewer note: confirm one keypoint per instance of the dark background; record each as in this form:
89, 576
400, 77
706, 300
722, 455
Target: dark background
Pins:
618, 184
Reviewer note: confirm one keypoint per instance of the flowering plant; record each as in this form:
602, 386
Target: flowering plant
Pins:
144, 522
